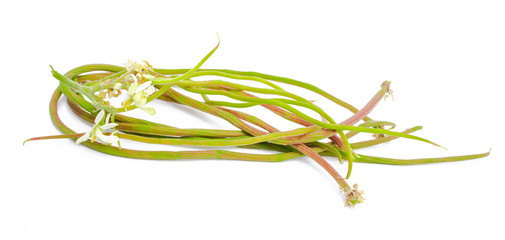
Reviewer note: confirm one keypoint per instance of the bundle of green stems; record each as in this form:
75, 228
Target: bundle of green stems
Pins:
88, 87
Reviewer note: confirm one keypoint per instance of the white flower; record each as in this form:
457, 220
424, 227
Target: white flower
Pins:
97, 131
140, 93
141, 71
130, 66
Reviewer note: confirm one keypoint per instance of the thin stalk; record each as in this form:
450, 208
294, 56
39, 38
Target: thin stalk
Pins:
373, 142
232, 141
333, 126
323, 163
359, 115
371, 124
348, 150
223, 154
281, 104
264, 77
394, 161
240, 87
271, 101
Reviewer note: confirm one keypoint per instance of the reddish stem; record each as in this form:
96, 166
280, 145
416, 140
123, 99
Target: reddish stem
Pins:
293, 117
305, 150
369, 106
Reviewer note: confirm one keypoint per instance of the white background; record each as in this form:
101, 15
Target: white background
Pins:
445, 60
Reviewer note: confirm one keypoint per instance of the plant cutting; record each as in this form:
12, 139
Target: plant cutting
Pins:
88, 90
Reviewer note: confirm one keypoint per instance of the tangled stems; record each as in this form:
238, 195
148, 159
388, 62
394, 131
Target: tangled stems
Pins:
86, 91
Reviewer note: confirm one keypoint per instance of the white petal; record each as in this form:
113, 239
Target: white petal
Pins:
107, 118
149, 110
108, 126
138, 67
130, 66
134, 78
143, 86
94, 133
133, 87
113, 139
148, 76
139, 100
99, 117
150, 90
84, 137
106, 139
99, 134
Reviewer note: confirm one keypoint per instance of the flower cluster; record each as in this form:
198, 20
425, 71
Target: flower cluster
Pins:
139, 70
97, 131
137, 82
138, 94
354, 196
140, 86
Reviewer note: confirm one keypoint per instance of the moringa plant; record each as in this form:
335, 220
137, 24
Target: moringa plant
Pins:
89, 89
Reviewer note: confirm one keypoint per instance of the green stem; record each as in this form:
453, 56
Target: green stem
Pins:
264, 77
